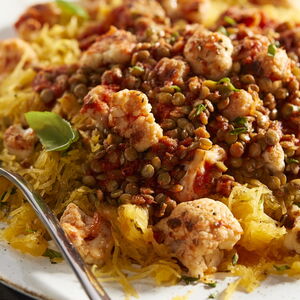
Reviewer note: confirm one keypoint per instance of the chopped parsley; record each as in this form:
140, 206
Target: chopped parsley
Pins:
223, 30
52, 254
138, 68
239, 130
272, 50
213, 296
240, 121
292, 161
176, 88
189, 280
229, 20
281, 268
211, 284
235, 259
199, 109
226, 81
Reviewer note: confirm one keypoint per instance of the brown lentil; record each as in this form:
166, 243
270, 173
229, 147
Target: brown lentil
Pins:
88, 180
130, 154
112, 185
125, 198
147, 171
164, 179
131, 188
237, 149
156, 162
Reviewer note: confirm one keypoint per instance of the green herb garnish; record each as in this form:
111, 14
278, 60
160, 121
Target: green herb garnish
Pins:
52, 254
174, 37
281, 268
223, 30
31, 231
292, 161
189, 280
138, 68
211, 284
213, 296
199, 109
229, 85
70, 8
240, 121
238, 131
235, 259
3, 196
229, 20
55, 133
272, 50
176, 88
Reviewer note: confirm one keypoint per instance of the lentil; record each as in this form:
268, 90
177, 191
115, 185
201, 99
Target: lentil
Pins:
147, 171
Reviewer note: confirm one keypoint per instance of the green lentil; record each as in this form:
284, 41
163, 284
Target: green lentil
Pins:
160, 198
156, 162
164, 98
88, 180
80, 90
131, 188
147, 171
116, 194
130, 154
47, 95
125, 198
164, 178
112, 185
168, 124
182, 122
178, 99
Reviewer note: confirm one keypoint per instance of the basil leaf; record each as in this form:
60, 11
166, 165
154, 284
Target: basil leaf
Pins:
229, 20
72, 9
281, 268
272, 50
200, 108
55, 133
52, 254
189, 280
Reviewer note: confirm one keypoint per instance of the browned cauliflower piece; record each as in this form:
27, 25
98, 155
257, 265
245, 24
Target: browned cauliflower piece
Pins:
241, 104
273, 157
90, 235
114, 47
190, 10
127, 112
11, 53
277, 67
198, 180
197, 232
35, 17
209, 54
19, 142
170, 71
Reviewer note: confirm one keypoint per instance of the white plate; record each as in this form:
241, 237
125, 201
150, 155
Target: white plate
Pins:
41, 279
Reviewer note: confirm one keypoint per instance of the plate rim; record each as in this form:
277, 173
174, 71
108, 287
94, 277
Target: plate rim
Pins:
23, 290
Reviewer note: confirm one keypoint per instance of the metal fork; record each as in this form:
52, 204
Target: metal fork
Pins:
87, 279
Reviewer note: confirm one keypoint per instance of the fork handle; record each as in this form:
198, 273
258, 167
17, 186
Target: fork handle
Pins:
87, 279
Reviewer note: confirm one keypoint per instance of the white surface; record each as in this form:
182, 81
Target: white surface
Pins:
56, 282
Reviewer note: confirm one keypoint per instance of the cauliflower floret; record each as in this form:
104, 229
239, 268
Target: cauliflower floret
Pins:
277, 67
209, 54
273, 157
190, 10
198, 231
247, 49
292, 238
127, 112
19, 142
241, 104
114, 47
199, 175
11, 53
35, 17
170, 72
126, 15
90, 235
